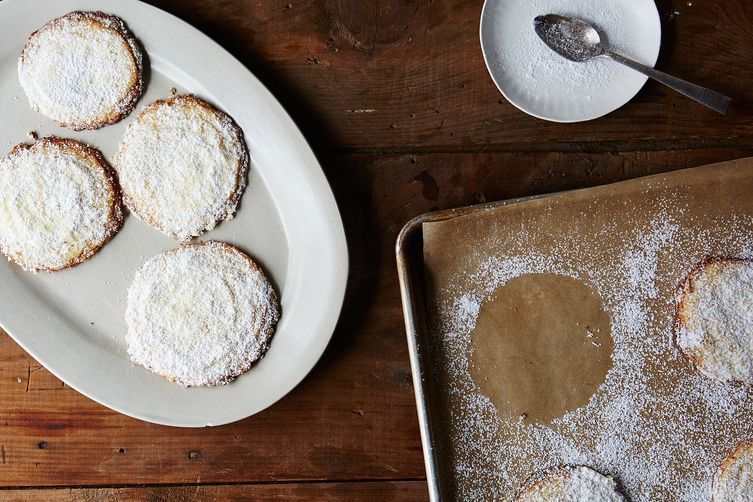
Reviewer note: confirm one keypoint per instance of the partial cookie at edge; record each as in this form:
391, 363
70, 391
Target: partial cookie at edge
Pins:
714, 326
59, 204
734, 478
571, 483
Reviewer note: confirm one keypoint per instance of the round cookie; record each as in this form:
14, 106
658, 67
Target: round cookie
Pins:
182, 166
59, 203
734, 479
572, 484
200, 315
715, 319
83, 70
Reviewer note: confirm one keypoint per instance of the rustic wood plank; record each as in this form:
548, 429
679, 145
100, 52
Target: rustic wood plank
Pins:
408, 75
354, 416
398, 490
376, 75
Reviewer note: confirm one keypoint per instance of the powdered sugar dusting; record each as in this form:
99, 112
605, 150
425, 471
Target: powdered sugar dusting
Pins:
717, 319
83, 70
200, 315
531, 71
655, 424
573, 484
182, 165
734, 480
58, 204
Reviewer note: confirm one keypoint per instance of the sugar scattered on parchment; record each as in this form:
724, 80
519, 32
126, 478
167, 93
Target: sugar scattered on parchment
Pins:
633, 428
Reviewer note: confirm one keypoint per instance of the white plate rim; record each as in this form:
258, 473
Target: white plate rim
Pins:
329, 252
523, 108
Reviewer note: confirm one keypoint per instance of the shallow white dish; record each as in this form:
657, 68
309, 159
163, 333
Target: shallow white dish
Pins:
541, 83
72, 321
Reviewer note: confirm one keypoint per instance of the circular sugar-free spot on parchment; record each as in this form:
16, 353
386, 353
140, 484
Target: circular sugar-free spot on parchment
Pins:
542, 346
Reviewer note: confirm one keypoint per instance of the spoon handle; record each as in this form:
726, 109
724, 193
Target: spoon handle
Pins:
711, 99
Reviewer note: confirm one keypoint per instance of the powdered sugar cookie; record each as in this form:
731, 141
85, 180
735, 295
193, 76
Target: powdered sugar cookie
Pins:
83, 70
200, 315
715, 319
572, 484
182, 166
734, 479
59, 204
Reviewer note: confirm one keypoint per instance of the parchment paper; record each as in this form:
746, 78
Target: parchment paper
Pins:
669, 222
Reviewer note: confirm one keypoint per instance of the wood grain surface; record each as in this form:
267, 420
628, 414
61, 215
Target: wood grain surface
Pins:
358, 491
395, 98
408, 75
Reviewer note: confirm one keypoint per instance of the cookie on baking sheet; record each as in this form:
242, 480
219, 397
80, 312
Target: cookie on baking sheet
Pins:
182, 166
733, 480
715, 319
83, 70
572, 484
59, 203
200, 315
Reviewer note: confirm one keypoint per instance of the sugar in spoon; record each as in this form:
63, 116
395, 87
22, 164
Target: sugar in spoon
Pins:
578, 41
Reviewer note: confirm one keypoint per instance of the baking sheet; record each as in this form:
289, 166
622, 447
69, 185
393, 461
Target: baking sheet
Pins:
653, 422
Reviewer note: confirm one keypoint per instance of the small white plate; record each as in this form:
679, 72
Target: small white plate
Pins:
72, 321
542, 83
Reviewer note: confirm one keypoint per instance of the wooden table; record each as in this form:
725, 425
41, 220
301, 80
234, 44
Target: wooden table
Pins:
395, 98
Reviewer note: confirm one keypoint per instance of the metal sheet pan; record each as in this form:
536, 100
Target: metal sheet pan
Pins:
409, 253
705, 186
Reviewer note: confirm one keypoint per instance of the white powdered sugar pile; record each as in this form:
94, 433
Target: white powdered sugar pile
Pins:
717, 315
658, 428
528, 67
200, 315
58, 204
573, 484
82, 70
182, 166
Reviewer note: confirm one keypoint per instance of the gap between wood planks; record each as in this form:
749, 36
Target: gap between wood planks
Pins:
220, 483
554, 147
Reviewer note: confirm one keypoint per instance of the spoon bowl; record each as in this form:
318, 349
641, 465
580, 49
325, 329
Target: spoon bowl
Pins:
578, 41
572, 38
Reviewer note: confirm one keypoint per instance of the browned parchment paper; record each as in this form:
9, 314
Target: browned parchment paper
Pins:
631, 243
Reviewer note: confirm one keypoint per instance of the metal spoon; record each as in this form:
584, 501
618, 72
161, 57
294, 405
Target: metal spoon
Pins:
578, 41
